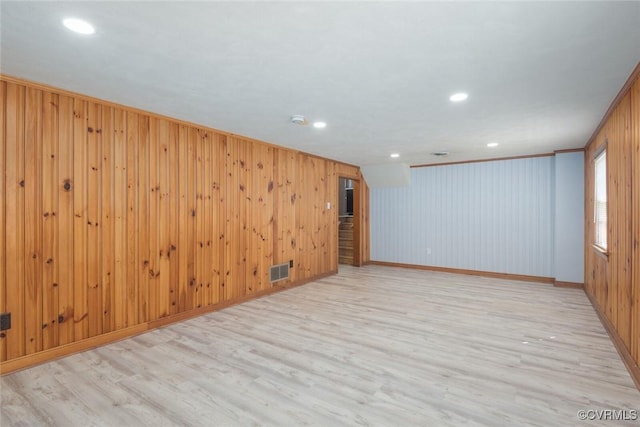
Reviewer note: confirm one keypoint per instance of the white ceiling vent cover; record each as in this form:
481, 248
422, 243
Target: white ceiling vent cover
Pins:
279, 272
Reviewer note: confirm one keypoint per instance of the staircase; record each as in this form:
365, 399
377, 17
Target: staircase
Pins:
345, 240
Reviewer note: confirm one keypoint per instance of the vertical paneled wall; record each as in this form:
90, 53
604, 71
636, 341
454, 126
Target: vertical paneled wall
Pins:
612, 280
113, 218
490, 216
568, 220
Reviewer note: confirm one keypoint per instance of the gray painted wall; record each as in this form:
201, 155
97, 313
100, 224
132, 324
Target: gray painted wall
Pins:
569, 217
490, 216
502, 216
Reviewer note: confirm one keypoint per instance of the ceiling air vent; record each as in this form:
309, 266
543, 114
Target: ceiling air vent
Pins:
440, 153
279, 272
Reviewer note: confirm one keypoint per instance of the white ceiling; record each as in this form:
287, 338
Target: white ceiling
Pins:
540, 75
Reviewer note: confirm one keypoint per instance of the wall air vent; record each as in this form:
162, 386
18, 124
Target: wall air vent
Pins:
279, 272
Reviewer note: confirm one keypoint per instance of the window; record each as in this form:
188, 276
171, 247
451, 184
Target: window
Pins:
600, 208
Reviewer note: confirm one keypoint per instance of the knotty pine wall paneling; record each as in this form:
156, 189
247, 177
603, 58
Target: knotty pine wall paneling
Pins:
15, 220
612, 276
612, 281
3, 206
234, 268
117, 296
137, 220
114, 220
635, 226
107, 217
94, 226
145, 220
172, 185
33, 213
218, 217
302, 233
80, 311
63, 319
198, 215
149, 292
161, 288
184, 280
285, 244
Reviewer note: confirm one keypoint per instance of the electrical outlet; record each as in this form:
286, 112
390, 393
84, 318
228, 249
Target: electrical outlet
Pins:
290, 263
5, 321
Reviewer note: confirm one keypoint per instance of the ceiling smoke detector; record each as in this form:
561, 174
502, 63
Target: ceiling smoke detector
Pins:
298, 120
440, 153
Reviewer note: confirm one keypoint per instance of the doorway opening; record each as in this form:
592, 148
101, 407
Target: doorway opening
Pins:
348, 221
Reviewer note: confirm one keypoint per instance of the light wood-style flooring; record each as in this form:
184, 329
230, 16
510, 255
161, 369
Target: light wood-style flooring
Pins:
374, 346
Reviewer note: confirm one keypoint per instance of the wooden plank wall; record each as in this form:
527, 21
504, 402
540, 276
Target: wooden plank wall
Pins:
612, 281
113, 218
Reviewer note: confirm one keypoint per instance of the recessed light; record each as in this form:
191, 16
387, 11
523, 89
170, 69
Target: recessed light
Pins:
492, 144
457, 97
319, 125
395, 155
79, 26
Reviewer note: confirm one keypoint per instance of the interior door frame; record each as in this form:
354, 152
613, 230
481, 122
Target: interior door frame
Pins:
357, 219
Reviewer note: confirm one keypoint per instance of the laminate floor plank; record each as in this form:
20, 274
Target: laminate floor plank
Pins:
371, 346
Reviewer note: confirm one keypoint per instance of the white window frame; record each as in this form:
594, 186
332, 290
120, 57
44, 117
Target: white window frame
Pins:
600, 209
